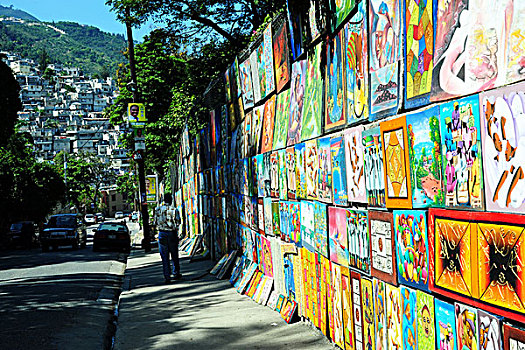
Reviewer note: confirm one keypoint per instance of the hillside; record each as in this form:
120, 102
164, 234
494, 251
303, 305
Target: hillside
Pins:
12, 12
83, 46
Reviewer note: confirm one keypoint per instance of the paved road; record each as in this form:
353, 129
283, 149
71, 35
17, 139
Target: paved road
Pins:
60, 299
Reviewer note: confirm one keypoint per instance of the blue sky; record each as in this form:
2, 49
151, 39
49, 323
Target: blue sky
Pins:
92, 12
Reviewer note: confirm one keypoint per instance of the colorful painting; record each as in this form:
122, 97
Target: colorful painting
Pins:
337, 151
358, 239
335, 114
267, 257
516, 43
265, 63
281, 56
246, 84
466, 327
321, 229
288, 310
313, 96
355, 165
324, 281
257, 124
308, 225
311, 168
274, 174
419, 51
342, 9
396, 163
426, 333
288, 267
283, 178
324, 191
268, 125
489, 335
295, 22
374, 170
412, 247
300, 171
356, 66
393, 317
290, 170
276, 219
503, 148
367, 303
382, 240
268, 220
338, 235
337, 306
445, 325
513, 337
327, 267
385, 19
346, 298
424, 149
409, 321
380, 324
255, 76
297, 87
282, 113
461, 147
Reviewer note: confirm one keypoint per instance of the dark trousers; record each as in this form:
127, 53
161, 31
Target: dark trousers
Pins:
169, 245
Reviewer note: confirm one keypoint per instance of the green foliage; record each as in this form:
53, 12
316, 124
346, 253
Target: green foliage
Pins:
435, 136
10, 103
127, 185
420, 173
12, 12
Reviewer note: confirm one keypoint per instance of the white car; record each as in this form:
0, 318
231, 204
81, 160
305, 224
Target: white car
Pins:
119, 215
90, 219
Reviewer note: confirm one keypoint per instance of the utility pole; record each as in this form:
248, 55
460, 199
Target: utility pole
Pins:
139, 154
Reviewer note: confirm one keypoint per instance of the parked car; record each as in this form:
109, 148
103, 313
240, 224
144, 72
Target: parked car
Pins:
100, 217
90, 219
21, 233
119, 215
64, 229
112, 235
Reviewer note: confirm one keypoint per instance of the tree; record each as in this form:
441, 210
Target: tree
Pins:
43, 60
10, 102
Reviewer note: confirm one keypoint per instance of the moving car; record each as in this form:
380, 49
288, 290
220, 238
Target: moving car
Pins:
100, 217
112, 235
64, 229
119, 215
90, 219
21, 233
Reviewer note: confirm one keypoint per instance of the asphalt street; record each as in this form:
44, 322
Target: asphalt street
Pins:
62, 299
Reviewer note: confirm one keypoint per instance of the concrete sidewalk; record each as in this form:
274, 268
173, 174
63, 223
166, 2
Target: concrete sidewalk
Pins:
199, 312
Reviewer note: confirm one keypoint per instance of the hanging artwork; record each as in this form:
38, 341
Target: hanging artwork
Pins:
283, 179
295, 23
367, 303
419, 51
461, 147
335, 114
246, 84
356, 66
503, 148
382, 240
300, 171
307, 225
255, 76
324, 280
288, 251
267, 257
412, 247
346, 298
424, 149
409, 325
338, 235
321, 229
294, 210
355, 165
342, 9
466, 326
337, 306
258, 167
313, 96
316, 20
358, 239
337, 151
265, 64
282, 113
385, 19
274, 174
257, 124
393, 317
276, 219
268, 220
374, 170
268, 125
297, 86
290, 170
513, 337
380, 314
281, 55
284, 220
426, 333
445, 326
327, 267
311, 168
324, 191
396, 163
489, 335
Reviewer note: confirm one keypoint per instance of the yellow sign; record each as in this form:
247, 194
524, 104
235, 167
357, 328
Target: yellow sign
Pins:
151, 188
136, 113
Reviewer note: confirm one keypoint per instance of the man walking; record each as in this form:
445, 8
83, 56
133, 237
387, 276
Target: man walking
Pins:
167, 219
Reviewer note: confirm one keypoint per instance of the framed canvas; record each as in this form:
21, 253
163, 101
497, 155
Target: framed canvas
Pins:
393, 317
282, 173
281, 55
268, 219
338, 235
466, 326
355, 165
274, 174
287, 253
357, 309
358, 239
489, 331
268, 125
246, 84
321, 229
255, 76
290, 171
335, 114
337, 306
301, 290
347, 309
295, 23
276, 220
297, 86
373, 165
382, 245
380, 320
311, 163
445, 325
327, 267
513, 337
367, 305
337, 151
342, 9
461, 147
324, 191
396, 164
300, 171
409, 324
313, 96
308, 225
426, 333
282, 113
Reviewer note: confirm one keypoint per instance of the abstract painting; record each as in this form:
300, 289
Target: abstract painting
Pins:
311, 163
297, 86
337, 306
246, 84
382, 241
281, 55
313, 96
338, 235
445, 326
409, 325
424, 149
355, 165
321, 229
385, 19
337, 151
283, 178
324, 281
274, 174
335, 114
346, 298
367, 303
503, 148
324, 191
268, 125
461, 147
412, 247
374, 170
380, 314
308, 225
342, 9
419, 52
300, 171
393, 317
356, 66
282, 113
489, 335
426, 333
358, 239
290, 171
466, 326
295, 23
265, 64
396, 163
